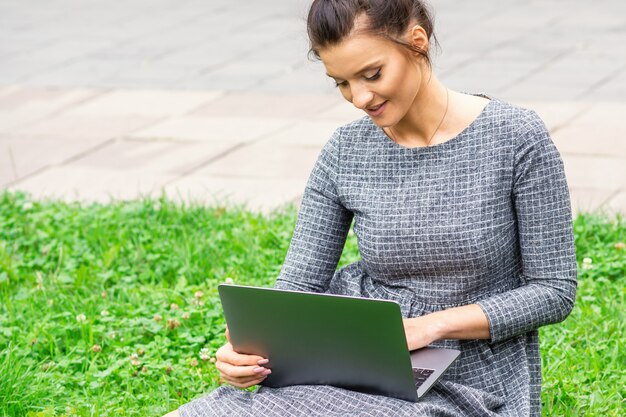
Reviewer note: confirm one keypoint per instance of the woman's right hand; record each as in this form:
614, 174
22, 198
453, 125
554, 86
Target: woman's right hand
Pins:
241, 371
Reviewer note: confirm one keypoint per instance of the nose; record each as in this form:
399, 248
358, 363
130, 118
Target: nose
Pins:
361, 97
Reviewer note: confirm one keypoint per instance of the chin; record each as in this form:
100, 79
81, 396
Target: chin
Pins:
383, 122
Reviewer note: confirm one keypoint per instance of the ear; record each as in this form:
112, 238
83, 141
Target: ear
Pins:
417, 37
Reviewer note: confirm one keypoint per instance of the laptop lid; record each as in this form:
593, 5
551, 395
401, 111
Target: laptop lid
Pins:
312, 338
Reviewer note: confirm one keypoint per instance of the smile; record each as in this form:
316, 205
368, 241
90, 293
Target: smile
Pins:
376, 110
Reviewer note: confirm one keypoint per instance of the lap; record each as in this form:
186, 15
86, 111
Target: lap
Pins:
325, 400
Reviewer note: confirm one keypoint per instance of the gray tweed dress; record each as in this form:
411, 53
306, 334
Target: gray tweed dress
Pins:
482, 218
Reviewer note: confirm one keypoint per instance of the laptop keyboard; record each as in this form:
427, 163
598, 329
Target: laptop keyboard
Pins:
421, 375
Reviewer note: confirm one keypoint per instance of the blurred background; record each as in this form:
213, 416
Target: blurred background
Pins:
215, 100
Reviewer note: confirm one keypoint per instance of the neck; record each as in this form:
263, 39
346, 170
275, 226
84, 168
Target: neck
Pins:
425, 116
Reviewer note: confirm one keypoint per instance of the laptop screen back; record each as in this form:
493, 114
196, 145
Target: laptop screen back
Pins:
312, 338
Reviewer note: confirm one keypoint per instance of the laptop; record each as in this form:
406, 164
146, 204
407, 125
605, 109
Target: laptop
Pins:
349, 342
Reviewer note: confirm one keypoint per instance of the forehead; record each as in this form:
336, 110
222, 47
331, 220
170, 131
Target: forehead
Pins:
355, 52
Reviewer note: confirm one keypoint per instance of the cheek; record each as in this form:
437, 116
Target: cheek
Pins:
404, 84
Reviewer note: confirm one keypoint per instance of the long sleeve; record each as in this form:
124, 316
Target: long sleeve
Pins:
542, 205
321, 228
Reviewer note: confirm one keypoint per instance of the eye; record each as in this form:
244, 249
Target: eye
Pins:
374, 77
341, 84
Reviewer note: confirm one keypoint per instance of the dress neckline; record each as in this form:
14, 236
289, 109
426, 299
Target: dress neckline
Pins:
448, 143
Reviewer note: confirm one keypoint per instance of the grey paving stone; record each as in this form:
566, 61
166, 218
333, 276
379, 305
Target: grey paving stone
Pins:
277, 161
156, 103
93, 185
343, 112
591, 199
596, 131
22, 106
617, 204
84, 126
244, 69
557, 114
233, 129
215, 82
158, 157
566, 60
256, 104
309, 133
308, 78
613, 88
598, 172
259, 194
21, 157
188, 40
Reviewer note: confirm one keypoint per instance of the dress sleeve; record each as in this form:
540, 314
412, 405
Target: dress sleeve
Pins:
321, 228
541, 200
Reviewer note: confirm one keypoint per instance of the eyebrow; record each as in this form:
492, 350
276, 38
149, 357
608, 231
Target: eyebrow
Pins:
365, 68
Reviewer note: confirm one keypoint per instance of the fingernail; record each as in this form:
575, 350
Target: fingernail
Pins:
258, 369
263, 361
267, 372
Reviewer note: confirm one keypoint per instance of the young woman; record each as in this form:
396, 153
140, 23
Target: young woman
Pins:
462, 215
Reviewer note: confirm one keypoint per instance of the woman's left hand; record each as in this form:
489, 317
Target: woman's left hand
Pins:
465, 322
421, 331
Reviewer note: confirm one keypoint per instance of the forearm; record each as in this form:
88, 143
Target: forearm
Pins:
529, 307
465, 322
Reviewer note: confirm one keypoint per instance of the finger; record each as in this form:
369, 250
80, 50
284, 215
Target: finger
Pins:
243, 380
248, 380
240, 371
228, 355
245, 384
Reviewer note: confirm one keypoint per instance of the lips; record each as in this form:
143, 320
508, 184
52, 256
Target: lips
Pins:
376, 110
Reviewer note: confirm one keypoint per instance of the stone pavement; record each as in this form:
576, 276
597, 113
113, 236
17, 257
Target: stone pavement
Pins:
214, 100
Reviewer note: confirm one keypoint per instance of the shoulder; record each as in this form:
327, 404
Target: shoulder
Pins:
350, 135
527, 137
517, 128
517, 119
510, 115
358, 130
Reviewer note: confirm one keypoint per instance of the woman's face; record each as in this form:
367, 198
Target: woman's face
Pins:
376, 75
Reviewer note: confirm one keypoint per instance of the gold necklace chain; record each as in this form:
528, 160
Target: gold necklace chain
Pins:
438, 126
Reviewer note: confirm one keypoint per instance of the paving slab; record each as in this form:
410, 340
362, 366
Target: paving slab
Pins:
24, 105
259, 194
613, 88
310, 77
233, 129
342, 112
85, 126
599, 172
597, 130
70, 183
159, 103
21, 157
557, 114
265, 160
165, 157
592, 199
617, 204
162, 82
305, 132
255, 104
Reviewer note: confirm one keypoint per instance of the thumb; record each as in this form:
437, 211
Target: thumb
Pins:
228, 334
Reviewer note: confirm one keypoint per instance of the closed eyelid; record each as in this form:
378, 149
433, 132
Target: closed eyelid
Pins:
375, 75
363, 72
372, 77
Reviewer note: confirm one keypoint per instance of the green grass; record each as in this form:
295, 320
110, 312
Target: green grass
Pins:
111, 310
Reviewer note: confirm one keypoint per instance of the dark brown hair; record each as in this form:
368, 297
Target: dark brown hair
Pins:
330, 21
